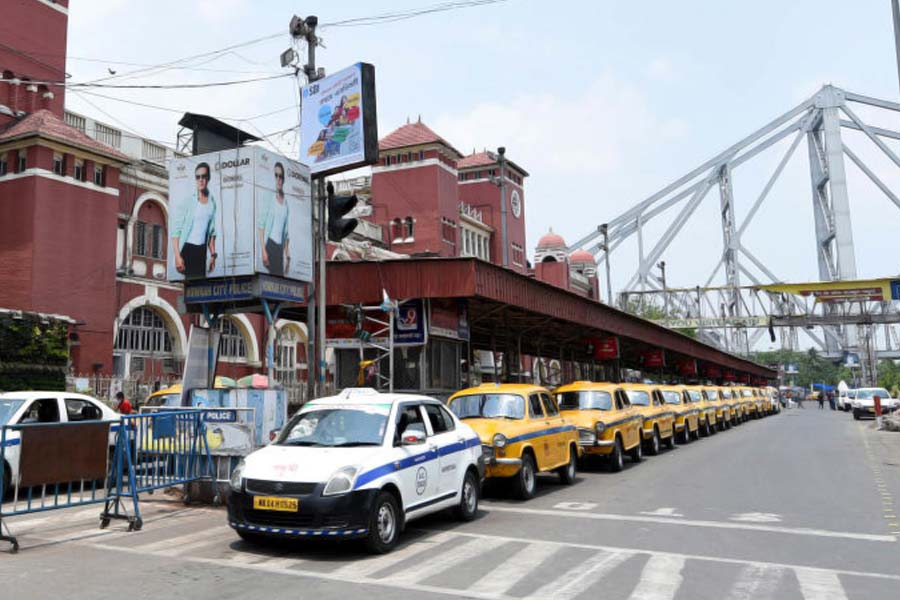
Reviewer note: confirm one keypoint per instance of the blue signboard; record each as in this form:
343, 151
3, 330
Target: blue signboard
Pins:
895, 289
409, 324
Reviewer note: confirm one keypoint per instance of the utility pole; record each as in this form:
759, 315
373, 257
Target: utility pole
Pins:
316, 302
662, 268
895, 9
604, 231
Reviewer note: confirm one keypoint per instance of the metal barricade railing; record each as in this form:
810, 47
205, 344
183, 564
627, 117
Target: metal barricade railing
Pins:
155, 451
48, 466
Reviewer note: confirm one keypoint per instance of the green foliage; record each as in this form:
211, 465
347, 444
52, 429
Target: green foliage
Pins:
33, 353
812, 367
649, 310
889, 376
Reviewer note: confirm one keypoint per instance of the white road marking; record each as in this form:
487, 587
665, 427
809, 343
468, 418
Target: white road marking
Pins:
365, 568
176, 543
755, 583
447, 560
516, 566
756, 517
575, 505
869, 537
221, 537
580, 577
662, 512
660, 578
818, 584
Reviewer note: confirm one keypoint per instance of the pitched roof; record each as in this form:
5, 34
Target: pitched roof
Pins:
485, 159
479, 159
413, 134
44, 123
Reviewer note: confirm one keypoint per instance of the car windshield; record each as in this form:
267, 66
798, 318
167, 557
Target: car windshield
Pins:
489, 406
746, 393
8, 407
726, 394
695, 395
671, 397
711, 395
871, 393
334, 426
638, 397
584, 400
164, 400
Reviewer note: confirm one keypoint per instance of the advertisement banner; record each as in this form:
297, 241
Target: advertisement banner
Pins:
239, 212
875, 290
712, 371
448, 318
686, 366
654, 359
409, 327
606, 348
338, 121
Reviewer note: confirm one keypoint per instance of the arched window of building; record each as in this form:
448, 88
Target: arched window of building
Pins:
409, 228
231, 344
286, 359
144, 332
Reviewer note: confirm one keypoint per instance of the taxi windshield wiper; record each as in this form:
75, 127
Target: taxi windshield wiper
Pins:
299, 443
348, 444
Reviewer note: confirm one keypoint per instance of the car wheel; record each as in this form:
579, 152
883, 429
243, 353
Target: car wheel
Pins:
671, 441
384, 524
686, 434
653, 446
637, 453
567, 471
526, 479
856, 415
616, 458
468, 498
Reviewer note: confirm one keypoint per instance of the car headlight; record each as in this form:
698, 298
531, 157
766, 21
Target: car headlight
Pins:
499, 440
341, 481
236, 480
600, 428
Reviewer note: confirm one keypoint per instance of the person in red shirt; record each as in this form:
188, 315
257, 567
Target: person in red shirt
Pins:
123, 406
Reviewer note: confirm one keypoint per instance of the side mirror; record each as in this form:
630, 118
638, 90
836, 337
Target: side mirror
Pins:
412, 437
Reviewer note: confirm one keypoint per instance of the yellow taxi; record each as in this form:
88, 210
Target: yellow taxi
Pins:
766, 397
749, 401
687, 416
607, 425
723, 410
707, 411
659, 419
522, 432
732, 398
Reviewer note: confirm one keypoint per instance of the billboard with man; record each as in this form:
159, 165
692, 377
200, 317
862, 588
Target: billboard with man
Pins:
239, 212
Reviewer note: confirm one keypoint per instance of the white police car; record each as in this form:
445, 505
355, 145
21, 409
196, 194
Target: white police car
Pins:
358, 465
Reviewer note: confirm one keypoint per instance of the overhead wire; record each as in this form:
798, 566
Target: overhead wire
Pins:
170, 86
394, 16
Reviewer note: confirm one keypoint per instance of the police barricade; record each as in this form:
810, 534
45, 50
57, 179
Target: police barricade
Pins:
155, 451
48, 466
231, 434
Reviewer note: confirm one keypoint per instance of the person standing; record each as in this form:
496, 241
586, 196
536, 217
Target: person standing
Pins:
821, 398
123, 406
273, 228
194, 230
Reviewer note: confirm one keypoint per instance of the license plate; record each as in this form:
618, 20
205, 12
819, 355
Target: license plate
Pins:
275, 503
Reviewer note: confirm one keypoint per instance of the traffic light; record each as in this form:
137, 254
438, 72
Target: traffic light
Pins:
338, 206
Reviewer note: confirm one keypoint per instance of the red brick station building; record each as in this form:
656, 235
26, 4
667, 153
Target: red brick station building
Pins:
83, 211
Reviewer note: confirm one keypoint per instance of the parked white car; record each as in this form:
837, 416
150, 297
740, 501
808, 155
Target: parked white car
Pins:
864, 402
845, 399
358, 465
45, 407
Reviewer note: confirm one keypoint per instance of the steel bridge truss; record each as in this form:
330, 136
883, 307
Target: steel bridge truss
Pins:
819, 121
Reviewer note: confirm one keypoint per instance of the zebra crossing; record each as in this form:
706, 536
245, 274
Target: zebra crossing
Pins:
462, 563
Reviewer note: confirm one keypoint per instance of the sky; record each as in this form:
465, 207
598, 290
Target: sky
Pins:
603, 102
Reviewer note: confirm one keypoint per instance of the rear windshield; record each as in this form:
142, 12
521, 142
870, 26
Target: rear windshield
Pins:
638, 397
695, 395
584, 400
711, 395
746, 393
726, 393
489, 406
